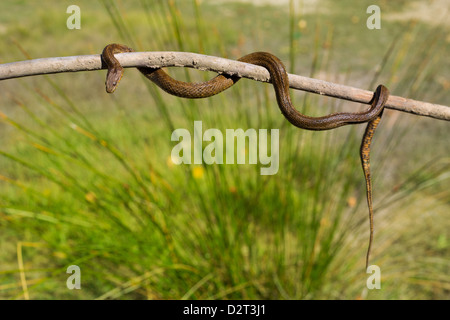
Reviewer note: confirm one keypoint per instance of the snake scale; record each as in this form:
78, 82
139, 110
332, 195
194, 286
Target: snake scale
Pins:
280, 82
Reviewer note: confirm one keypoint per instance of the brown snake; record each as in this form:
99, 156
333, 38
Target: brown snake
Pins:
280, 81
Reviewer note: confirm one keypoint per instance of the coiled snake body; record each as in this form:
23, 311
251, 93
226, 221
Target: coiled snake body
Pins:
279, 79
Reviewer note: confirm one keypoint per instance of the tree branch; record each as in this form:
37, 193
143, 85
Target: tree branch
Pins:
220, 65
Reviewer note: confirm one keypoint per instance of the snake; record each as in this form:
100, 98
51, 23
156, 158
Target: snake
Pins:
280, 81
364, 152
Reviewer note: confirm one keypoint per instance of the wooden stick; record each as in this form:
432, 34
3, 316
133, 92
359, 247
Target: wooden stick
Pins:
217, 64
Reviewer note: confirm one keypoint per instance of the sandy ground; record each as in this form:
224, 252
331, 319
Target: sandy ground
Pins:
434, 12
306, 6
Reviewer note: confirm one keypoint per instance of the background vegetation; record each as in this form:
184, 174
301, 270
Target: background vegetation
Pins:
86, 177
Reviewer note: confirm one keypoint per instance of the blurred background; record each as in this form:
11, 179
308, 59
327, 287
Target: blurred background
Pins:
86, 177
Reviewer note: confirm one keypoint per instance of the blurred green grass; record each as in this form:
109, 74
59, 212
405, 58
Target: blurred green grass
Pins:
86, 178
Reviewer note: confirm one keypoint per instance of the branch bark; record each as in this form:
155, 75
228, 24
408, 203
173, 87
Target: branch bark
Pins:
217, 64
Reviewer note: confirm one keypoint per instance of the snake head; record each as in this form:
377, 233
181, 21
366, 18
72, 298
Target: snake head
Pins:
115, 70
113, 78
